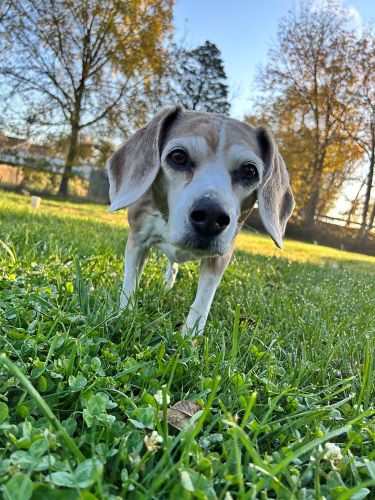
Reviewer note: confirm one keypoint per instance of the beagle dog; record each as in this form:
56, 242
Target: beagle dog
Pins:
190, 180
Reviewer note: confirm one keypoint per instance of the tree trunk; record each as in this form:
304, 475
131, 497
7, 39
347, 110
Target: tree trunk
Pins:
354, 205
311, 208
366, 205
313, 201
72, 153
372, 218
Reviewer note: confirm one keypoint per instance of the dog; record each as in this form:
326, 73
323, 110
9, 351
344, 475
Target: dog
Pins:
190, 180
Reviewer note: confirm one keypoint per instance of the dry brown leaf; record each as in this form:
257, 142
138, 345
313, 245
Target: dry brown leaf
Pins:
180, 413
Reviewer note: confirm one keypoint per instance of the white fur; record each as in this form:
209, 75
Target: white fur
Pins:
207, 286
170, 275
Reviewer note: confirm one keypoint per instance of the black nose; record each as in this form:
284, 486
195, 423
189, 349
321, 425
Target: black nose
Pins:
208, 218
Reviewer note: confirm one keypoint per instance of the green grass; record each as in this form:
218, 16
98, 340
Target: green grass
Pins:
284, 374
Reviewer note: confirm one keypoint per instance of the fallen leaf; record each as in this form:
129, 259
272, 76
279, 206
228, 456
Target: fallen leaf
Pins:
180, 413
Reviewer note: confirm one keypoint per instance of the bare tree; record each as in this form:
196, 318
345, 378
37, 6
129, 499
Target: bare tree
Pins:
4, 9
76, 64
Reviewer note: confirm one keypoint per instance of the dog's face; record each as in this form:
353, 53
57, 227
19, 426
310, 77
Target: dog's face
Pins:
211, 169
211, 166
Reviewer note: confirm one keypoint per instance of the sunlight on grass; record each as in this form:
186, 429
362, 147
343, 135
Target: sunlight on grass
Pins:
51, 206
250, 242
299, 251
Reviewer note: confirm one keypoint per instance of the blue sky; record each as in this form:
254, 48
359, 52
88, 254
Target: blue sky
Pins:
243, 30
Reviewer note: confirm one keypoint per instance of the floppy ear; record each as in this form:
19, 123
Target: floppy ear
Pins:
275, 197
133, 168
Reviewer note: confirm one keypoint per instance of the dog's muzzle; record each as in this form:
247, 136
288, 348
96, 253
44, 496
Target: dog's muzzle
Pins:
208, 218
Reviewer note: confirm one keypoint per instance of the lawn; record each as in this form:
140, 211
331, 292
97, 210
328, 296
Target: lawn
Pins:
281, 386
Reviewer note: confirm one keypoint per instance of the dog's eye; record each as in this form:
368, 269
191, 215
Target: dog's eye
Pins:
178, 157
249, 172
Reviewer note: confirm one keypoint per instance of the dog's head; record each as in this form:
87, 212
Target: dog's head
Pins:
207, 170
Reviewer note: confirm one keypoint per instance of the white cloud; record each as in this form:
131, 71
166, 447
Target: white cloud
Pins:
334, 5
356, 18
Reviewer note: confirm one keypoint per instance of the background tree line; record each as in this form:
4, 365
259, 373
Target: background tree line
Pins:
81, 75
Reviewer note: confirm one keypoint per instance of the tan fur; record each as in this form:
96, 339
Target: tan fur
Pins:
197, 124
241, 133
247, 207
138, 212
208, 126
160, 195
217, 265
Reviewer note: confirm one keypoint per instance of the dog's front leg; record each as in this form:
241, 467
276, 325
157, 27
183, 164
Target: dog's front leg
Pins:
170, 274
135, 258
210, 274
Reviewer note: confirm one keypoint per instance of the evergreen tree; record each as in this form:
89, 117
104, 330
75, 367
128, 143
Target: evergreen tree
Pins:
201, 80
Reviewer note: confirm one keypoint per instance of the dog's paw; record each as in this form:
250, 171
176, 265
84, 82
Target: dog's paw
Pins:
193, 326
127, 303
170, 275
